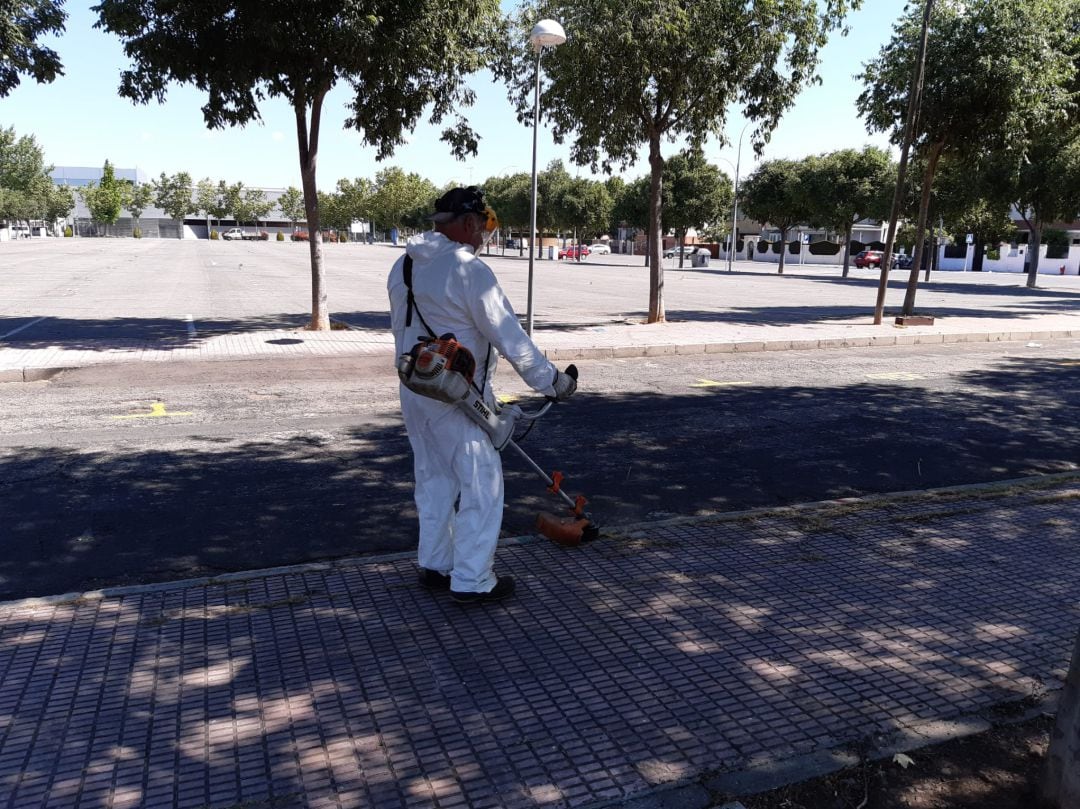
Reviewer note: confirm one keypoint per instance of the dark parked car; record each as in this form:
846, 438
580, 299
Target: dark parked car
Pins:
902, 262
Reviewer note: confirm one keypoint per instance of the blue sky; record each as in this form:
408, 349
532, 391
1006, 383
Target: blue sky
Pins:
79, 120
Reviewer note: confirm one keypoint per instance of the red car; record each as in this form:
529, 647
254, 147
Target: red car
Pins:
574, 251
869, 258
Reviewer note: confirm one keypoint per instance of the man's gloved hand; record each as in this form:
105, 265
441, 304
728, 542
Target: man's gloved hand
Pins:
565, 383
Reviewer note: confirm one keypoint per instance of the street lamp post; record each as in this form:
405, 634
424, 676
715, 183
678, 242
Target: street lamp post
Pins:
545, 34
735, 201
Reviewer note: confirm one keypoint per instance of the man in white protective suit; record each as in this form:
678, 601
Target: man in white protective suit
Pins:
455, 463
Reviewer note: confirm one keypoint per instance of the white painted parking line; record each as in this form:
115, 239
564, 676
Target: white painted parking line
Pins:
23, 326
190, 325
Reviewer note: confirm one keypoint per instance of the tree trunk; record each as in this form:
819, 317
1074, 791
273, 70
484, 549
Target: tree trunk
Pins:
1061, 777
979, 254
1034, 243
920, 229
309, 150
656, 253
847, 249
783, 250
680, 240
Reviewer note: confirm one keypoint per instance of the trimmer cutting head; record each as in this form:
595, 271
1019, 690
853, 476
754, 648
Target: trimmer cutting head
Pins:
569, 530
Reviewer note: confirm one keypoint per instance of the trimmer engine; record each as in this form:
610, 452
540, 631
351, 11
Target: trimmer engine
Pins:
442, 368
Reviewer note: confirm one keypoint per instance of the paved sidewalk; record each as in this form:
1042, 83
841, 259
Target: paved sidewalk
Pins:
695, 654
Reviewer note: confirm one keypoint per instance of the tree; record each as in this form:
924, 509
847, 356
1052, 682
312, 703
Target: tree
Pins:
291, 203
255, 206
104, 199
776, 193
110, 197
578, 204
696, 193
399, 58
1045, 186
173, 194
551, 185
24, 178
21, 23
1007, 64
140, 197
847, 186
974, 197
511, 198
670, 69
398, 195
221, 205
205, 199
334, 209
60, 203
1061, 777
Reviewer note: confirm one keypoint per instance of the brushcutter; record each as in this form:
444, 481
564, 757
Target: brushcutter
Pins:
441, 368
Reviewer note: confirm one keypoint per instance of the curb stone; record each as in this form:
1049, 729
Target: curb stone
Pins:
34, 374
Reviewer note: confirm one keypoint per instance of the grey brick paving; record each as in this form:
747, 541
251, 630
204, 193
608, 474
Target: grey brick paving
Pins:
640, 660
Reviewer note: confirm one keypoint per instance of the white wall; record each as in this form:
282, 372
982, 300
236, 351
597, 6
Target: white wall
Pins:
1013, 261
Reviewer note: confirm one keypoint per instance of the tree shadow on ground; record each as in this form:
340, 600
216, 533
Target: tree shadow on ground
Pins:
89, 517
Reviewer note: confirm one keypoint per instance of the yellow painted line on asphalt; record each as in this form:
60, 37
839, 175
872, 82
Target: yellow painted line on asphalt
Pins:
712, 383
507, 398
897, 376
157, 410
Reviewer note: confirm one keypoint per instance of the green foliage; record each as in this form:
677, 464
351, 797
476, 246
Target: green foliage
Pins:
632, 205
846, 186
110, 196
206, 198
1000, 74
669, 70
971, 195
583, 206
22, 22
280, 236
777, 194
138, 198
510, 197
399, 198
214, 235
250, 204
68, 232
286, 51
26, 189
291, 203
173, 194
136, 232
1057, 243
1000, 63
696, 193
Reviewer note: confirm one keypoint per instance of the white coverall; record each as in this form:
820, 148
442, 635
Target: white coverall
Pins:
453, 457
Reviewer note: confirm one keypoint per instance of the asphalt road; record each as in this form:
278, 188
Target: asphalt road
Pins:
128, 474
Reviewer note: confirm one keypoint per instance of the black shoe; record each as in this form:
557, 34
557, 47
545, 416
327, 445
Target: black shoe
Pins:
504, 586
434, 580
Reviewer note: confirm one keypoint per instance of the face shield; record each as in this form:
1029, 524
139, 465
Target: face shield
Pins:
491, 224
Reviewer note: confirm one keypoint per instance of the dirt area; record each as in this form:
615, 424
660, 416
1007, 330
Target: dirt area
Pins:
998, 769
